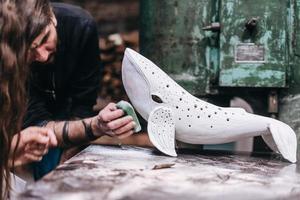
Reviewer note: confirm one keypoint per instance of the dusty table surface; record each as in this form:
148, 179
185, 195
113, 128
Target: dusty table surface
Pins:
112, 172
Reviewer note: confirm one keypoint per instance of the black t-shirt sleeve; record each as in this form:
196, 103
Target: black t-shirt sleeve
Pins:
86, 81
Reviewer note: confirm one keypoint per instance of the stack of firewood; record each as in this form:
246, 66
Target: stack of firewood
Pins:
111, 53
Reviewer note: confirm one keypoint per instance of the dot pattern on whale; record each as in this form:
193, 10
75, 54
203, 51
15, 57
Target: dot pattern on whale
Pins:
196, 121
184, 105
161, 124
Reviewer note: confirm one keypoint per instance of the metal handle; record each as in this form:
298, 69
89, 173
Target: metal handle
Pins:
214, 27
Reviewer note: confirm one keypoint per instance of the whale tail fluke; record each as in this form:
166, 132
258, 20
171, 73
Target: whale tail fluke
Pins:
282, 139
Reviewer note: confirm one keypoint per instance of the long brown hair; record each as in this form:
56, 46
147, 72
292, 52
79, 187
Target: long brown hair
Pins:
12, 90
38, 15
20, 22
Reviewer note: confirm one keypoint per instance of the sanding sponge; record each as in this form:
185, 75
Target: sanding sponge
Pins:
129, 110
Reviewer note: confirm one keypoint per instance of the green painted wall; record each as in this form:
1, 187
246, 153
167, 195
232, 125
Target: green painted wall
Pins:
172, 36
207, 63
267, 70
290, 99
297, 28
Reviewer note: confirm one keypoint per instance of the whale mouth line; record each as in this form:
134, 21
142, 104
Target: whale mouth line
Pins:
135, 64
157, 99
140, 72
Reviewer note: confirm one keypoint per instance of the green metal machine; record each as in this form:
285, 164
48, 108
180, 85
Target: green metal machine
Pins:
221, 49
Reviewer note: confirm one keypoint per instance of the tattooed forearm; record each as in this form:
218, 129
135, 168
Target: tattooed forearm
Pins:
73, 133
65, 134
88, 131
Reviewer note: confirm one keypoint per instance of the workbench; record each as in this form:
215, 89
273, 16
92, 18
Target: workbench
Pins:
127, 172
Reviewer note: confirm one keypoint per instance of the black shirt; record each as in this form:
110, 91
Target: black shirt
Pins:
67, 87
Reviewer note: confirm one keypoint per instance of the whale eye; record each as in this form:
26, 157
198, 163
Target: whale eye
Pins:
156, 98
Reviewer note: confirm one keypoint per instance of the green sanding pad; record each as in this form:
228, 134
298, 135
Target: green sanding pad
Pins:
129, 110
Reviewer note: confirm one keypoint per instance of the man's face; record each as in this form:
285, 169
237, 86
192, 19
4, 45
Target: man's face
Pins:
43, 47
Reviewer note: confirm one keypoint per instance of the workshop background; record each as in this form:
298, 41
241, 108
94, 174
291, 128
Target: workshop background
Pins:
231, 53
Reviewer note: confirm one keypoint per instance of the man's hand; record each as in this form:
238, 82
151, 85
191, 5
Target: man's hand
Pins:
110, 121
33, 145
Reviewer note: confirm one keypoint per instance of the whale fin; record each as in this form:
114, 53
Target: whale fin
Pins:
161, 130
283, 140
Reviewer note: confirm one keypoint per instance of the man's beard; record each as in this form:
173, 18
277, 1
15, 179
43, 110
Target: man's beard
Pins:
50, 60
37, 66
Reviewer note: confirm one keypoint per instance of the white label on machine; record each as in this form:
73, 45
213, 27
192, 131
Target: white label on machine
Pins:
249, 53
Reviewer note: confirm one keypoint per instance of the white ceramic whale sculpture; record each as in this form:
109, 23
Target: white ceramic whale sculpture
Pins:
172, 113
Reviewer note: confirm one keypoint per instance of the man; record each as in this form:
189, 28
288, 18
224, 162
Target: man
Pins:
65, 74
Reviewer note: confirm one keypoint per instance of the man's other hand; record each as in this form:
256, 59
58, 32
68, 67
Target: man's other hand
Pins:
33, 145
